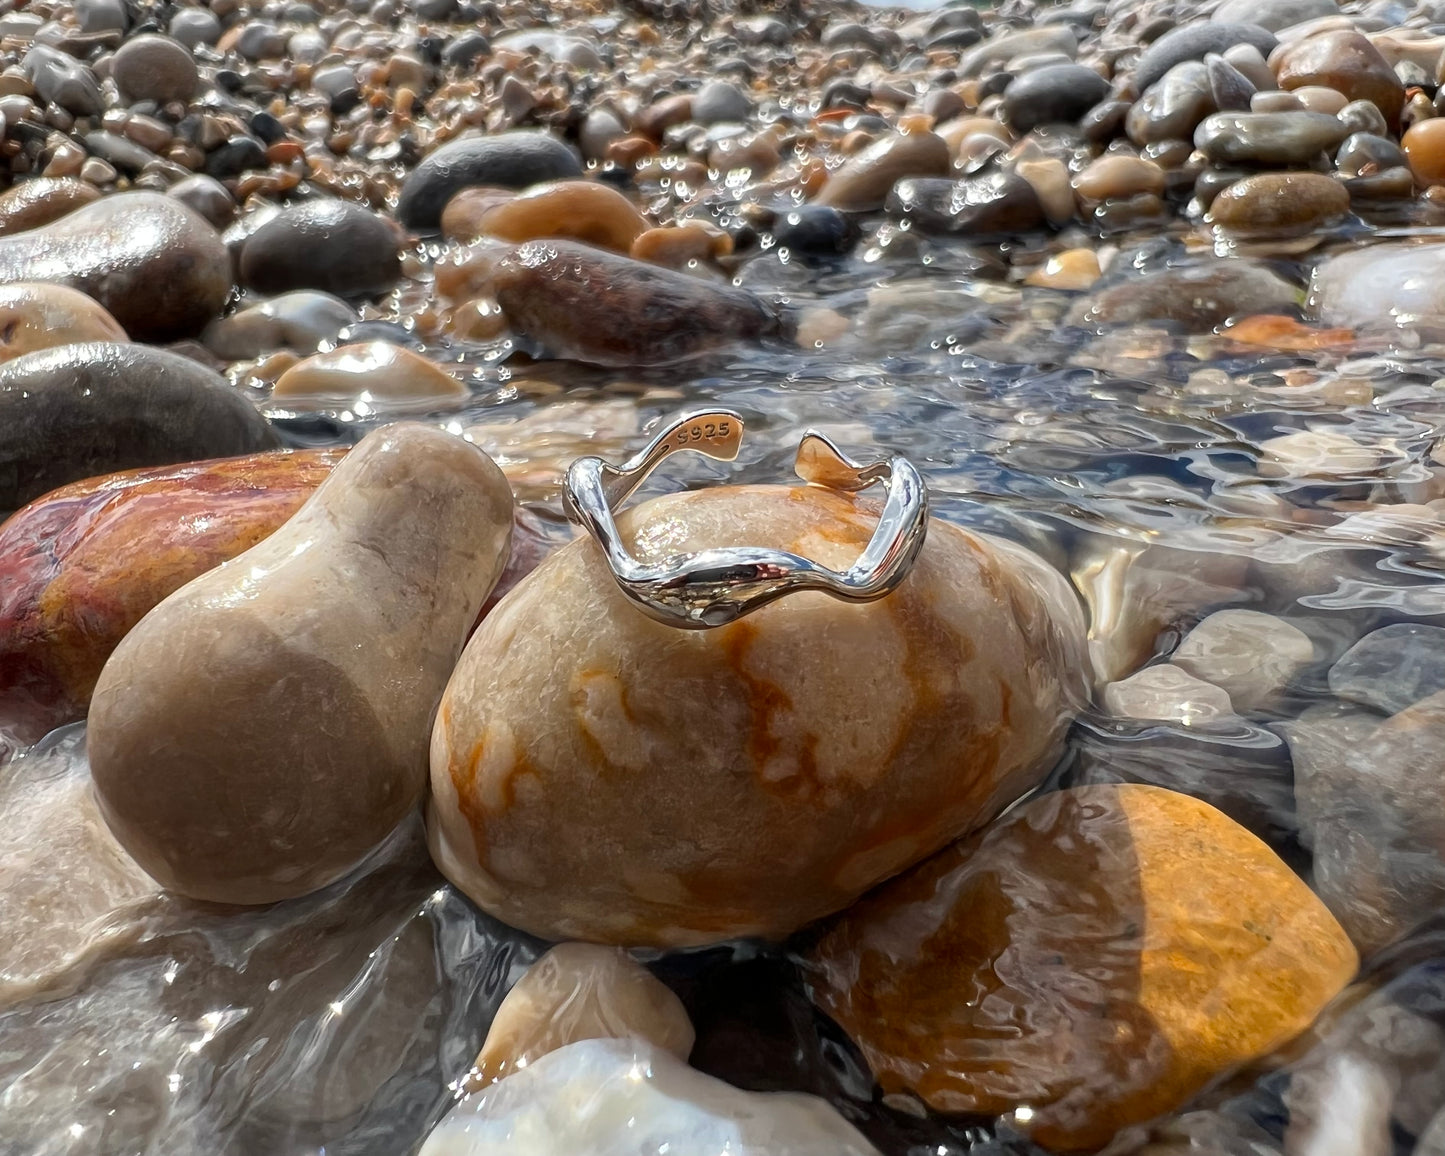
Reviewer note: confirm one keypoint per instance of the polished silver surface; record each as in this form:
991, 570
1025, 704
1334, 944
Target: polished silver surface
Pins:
714, 587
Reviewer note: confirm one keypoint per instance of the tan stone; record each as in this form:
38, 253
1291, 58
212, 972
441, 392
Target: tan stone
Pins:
266, 725
38, 315
1280, 202
462, 217
1088, 963
375, 372
63, 877
864, 181
39, 201
1118, 175
597, 775
585, 211
1071, 269
580, 991
678, 246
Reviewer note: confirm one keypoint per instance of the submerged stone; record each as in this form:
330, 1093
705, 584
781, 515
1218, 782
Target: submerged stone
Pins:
1252, 656
1085, 964
591, 305
569, 706
580, 991
406, 538
1198, 296
1393, 667
620, 1097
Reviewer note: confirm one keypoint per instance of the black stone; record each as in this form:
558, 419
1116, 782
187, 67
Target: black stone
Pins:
330, 245
465, 50
80, 410
234, 157
267, 127
1057, 94
815, 231
511, 160
992, 204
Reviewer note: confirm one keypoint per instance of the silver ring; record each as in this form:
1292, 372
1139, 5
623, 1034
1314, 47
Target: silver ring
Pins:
714, 587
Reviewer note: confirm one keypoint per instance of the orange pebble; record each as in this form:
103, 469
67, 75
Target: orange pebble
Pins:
1274, 331
1424, 145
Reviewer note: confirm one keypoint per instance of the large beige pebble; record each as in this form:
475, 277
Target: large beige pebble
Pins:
375, 372
36, 315
266, 725
1252, 656
597, 775
581, 991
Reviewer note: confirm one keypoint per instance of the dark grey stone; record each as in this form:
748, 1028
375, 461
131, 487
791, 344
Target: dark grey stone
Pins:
93, 408
1195, 42
511, 160
329, 245
1060, 93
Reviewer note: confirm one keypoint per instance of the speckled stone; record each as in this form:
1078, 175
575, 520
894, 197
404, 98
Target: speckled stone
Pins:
572, 731
405, 538
591, 305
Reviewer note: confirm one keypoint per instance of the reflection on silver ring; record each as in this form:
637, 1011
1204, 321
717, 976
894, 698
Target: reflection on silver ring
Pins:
718, 586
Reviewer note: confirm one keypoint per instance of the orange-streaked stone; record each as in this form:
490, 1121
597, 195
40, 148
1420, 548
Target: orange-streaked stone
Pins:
598, 775
1276, 331
1096, 958
84, 563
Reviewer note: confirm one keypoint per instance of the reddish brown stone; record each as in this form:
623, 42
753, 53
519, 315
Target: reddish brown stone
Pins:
1347, 62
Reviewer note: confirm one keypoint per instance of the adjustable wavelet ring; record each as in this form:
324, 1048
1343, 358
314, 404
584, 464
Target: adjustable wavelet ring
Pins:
714, 587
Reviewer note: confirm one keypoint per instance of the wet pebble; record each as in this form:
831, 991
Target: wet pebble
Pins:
374, 373
39, 201
720, 102
1346, 62
154, 68
1280, 202
991, 205
160, 270
811, 231
1268, 138
330, 245
298, 321
62, 80
1060, 93
1172, 109
1392, 668
512, 160
93, 408
864, 181
591, 305
1274, 15
1381, 285
35, 315
587, 211
1424, 148
1195, 42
